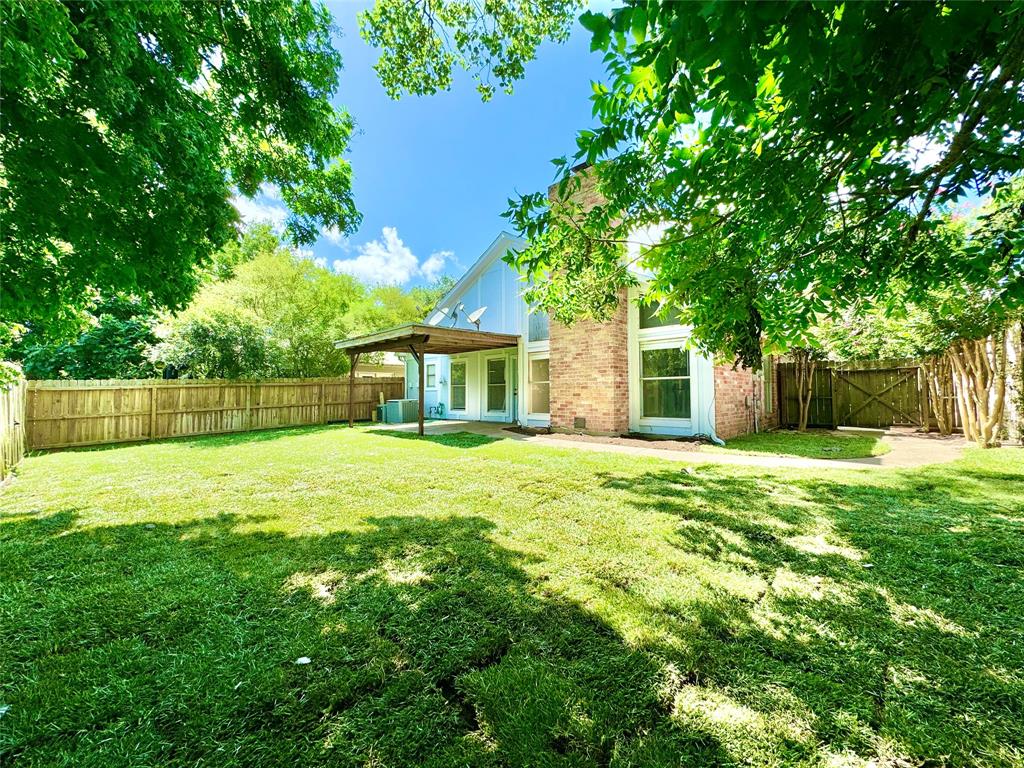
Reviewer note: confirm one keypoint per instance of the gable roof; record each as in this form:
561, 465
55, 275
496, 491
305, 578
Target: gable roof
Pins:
498, 248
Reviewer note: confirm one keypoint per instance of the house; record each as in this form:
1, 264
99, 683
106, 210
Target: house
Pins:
487, 357
632, 373
389, 364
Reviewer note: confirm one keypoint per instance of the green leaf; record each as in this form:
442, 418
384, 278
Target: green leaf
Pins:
639, 24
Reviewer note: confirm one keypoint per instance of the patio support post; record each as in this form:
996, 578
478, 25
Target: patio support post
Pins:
418, 354
353, 361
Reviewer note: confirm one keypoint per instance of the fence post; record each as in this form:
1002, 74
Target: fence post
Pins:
248, 407
922, 394
323, 411
152, 411
832, 398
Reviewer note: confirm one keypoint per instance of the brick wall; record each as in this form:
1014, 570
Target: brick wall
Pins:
737, 393
589, 369
589, 375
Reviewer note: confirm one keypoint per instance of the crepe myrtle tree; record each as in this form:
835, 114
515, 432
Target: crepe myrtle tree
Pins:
961, 332
127, 127
797, 155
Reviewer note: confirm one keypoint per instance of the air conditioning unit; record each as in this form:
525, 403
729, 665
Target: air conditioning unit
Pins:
401, 411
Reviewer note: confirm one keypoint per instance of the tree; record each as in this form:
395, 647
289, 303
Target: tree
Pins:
126, 128
961, 338
796, 154
256, 240
805, 363
115, 344
221, 345
386, 306
492, 40
301, 309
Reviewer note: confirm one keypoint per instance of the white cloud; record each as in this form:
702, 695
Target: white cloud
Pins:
336, 236
253, 212
433, 266
390, 261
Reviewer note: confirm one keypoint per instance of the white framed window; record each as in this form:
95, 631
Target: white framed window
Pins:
665, 383
457, 386
650, 317
431, 376
540, 385
539, 326
497, 385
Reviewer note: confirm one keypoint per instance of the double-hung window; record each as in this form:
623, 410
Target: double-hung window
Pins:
457, 399
540, 384
665, 382
496, 384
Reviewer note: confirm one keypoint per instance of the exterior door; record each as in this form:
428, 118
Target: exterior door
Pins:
496, 389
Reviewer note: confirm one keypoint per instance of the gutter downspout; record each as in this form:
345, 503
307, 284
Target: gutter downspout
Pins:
712, 435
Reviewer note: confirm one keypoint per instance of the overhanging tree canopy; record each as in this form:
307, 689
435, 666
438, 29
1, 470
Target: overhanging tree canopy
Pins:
796, 152
126, 127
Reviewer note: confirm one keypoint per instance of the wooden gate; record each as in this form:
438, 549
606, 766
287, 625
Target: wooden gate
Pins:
872, 394
877, 397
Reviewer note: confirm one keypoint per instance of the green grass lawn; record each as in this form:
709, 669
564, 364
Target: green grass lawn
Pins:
465, 602
815, 444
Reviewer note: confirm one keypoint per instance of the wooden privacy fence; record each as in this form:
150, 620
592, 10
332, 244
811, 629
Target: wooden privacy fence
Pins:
12, 427
876, 394
64, 414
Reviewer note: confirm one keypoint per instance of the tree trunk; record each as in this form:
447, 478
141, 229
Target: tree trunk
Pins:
804, 366
938, 374
1015, 384
979, 366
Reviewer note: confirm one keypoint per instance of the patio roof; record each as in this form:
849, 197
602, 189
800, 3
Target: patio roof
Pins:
427, 339
420, 340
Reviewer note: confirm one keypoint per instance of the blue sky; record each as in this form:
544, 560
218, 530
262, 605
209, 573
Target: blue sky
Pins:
433, 173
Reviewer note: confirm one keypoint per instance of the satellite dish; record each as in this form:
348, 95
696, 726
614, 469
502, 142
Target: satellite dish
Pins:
438, 316
455, 313
475, 316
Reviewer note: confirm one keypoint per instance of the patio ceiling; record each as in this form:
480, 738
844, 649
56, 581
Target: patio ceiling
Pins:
427, 339
420, 340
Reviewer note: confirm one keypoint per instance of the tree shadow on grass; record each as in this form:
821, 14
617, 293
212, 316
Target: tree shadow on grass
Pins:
891, 611
430, 644
427, 645
447, 439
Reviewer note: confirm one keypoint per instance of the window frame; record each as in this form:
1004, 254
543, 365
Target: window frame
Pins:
530, 412
487, 385
430, 372
452, 385
648, 345
537, 312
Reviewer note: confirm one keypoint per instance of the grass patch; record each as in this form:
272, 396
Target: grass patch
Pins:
504, 604
813, 445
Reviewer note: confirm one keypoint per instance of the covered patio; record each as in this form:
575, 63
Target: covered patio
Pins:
419, 340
